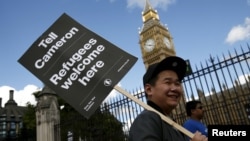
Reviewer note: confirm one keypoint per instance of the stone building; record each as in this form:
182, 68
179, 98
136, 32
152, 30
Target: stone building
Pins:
11, 118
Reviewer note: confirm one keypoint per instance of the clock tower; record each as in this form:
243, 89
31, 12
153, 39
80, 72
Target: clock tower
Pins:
155, 39
156, 44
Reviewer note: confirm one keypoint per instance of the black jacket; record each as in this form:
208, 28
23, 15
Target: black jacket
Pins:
148, 126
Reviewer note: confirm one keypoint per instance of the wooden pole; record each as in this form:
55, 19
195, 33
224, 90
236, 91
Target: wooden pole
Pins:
163, 117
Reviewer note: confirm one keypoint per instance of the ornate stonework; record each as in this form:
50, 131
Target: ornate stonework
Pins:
47, 116
155, 39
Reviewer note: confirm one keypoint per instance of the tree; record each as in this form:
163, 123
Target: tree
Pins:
28, 132
101, 126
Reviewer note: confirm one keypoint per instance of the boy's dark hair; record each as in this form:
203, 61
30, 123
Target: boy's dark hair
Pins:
191, 105
174, 63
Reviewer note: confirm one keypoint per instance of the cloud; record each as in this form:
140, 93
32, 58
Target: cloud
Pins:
243, 79
21, 97
239, 32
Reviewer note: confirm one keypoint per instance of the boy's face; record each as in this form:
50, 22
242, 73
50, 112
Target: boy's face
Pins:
166, 92
198, 111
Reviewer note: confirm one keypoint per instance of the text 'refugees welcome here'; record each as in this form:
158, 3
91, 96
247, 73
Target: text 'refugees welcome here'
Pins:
72, 69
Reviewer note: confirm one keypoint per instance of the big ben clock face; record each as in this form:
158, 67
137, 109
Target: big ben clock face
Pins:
149, 45
167, 42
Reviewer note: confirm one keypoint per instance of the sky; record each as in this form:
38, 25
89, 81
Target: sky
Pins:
200, 28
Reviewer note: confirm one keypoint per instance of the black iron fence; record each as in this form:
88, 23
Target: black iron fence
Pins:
222, 84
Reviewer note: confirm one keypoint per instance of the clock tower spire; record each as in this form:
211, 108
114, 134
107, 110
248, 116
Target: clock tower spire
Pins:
155, 41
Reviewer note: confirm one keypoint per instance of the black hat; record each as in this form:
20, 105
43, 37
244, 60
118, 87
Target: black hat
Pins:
173, 63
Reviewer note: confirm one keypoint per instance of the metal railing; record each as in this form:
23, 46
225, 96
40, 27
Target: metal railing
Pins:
222, 85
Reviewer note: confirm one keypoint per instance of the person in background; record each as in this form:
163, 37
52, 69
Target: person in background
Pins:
195, 113
163, 89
